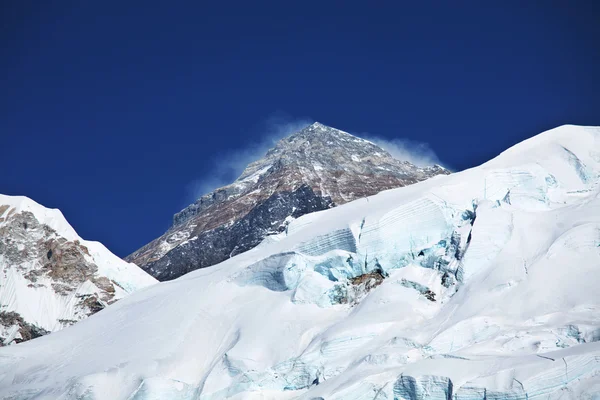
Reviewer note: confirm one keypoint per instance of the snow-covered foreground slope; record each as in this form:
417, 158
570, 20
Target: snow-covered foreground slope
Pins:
478, 285
51, 278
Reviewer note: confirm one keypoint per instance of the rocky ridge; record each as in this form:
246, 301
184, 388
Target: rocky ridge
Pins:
51, 278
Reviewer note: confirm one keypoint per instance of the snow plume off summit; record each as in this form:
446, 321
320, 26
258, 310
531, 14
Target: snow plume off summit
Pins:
227, 166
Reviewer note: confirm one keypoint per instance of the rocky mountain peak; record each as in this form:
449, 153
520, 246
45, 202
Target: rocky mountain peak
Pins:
318, 131
318, 148
318, 139
313, 169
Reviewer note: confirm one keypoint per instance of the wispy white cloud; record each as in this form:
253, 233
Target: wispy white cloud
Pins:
228, 165
418, 153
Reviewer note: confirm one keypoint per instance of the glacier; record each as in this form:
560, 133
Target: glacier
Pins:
477, 285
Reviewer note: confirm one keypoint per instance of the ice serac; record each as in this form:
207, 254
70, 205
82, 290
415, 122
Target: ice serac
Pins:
478, 285
314, 169
49, 277
423, 387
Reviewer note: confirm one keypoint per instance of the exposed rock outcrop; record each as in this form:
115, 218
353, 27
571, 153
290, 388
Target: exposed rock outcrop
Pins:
49, 277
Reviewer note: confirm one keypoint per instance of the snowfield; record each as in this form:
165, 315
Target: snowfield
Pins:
478, 285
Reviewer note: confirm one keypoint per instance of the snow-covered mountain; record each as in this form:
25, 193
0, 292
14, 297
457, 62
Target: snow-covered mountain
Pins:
49, 277
314, 169
478, 285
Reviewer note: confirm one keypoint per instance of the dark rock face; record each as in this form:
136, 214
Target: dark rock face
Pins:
314, 169
226, 241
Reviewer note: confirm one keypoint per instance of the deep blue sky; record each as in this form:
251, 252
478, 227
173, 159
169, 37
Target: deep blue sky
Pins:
109, 110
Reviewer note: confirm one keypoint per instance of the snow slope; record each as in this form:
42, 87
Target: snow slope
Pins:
478, 285
50, 277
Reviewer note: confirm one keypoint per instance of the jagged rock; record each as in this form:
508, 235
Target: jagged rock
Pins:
23, 330
314, 169
92, 303
358, 287
370, 280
